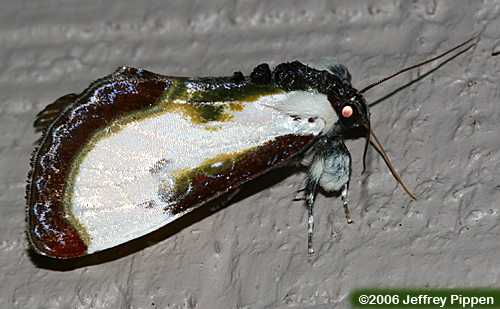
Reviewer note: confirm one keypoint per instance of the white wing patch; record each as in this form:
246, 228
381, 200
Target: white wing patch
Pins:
309, 104
115, 195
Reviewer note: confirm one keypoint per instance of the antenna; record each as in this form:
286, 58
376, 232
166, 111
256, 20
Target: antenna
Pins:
423, 63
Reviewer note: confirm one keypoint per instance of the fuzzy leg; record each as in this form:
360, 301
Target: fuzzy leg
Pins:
310, 196
345, 188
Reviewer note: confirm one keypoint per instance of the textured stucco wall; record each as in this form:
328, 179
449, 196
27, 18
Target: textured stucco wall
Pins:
442, 134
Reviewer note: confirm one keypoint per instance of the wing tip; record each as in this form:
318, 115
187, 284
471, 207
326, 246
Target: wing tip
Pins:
55, 238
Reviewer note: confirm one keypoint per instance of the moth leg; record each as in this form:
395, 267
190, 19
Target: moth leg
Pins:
297, 197
310, 196
343, 195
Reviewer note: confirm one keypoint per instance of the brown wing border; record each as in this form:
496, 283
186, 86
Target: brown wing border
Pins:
50, 231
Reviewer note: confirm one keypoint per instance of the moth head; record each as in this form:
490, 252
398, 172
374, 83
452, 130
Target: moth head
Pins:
352, 112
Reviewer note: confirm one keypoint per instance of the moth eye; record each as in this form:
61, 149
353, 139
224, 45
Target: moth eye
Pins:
347, 111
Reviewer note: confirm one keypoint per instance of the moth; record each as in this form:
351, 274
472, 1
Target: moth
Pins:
137, 150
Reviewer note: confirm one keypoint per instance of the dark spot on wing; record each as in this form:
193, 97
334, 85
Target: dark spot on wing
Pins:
148, 204
158, 166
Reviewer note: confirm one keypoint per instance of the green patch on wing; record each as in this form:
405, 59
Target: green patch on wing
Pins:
210, 168
247, 93
201, 113
215, 104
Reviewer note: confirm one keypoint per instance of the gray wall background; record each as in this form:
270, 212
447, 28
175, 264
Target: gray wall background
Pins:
442, 134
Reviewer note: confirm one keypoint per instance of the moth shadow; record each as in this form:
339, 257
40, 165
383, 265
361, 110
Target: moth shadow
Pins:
271, 178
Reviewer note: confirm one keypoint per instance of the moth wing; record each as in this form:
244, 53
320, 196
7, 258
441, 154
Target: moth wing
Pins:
149, 167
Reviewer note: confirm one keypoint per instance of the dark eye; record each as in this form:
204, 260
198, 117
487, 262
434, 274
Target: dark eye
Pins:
347, 111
